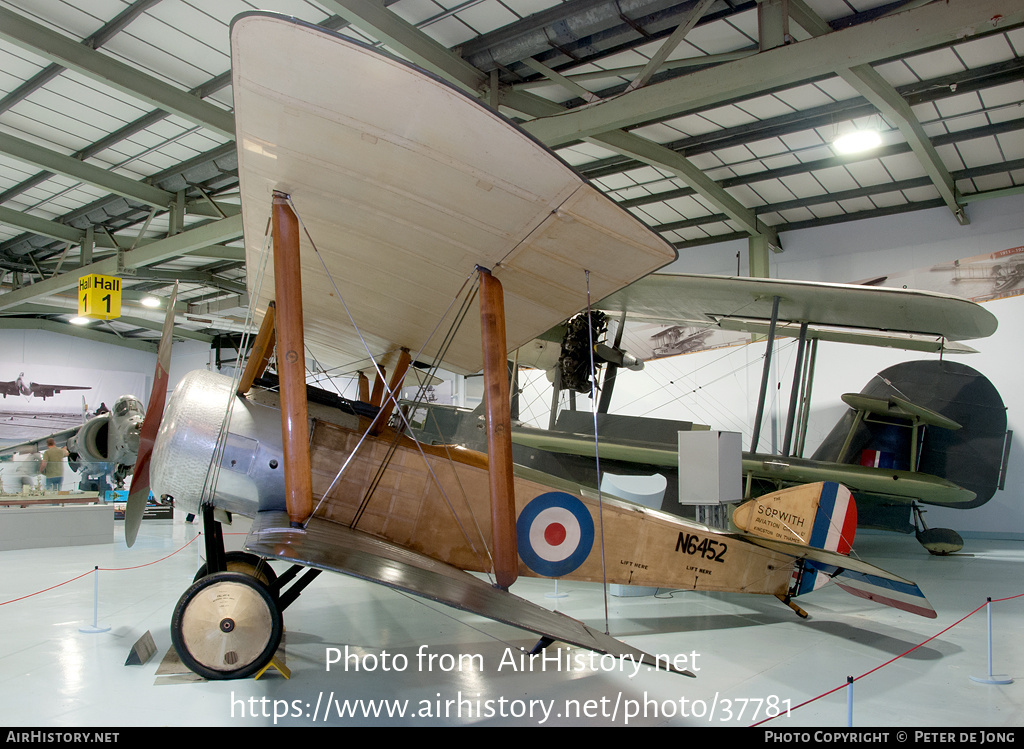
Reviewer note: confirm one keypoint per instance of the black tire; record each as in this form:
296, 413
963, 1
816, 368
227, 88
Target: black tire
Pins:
245, 563
226, 626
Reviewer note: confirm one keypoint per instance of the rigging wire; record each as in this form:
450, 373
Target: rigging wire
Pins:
392, 395
597, 453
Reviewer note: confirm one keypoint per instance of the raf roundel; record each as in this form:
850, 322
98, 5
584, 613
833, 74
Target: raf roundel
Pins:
556, 534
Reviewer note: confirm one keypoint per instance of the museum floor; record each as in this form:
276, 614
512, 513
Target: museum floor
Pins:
751, 652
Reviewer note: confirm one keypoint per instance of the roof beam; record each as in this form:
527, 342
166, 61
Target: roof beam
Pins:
377, 20
212, 233
408, 41
58, 48
873, 87
649, 152
883, 38
23, 150
21, 323
670, 44
656, 155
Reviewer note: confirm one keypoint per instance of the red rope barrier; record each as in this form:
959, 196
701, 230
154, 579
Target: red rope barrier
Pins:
891, 660
105, 569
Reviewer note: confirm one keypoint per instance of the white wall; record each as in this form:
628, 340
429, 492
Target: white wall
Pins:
719, 388
44, 348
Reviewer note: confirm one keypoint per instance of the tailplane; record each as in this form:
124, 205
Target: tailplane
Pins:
822, 518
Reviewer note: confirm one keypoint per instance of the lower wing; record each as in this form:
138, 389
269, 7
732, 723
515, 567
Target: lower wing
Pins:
337, 548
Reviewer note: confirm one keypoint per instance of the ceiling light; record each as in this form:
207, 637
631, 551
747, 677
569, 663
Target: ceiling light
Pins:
79, 321
149, 301
857, 141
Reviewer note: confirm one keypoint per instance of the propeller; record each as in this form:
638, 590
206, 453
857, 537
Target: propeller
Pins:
138, 493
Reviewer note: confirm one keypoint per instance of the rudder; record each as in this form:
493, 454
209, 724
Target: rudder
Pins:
822, 515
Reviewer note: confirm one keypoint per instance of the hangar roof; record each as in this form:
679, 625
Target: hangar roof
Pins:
710, 120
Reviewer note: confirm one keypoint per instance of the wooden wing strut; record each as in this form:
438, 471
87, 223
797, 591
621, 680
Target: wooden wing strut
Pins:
291, 362
262, 348
499, 430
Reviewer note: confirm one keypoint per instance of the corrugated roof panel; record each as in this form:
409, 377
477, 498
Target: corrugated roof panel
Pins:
134, 48
869, 172
1011, 145
796, 214
934, 64
49, 127
487, 16
979, 152
781, 161
718, 37
803, 185
449, 31
747, 195
835, 179
979, 52
856, 205
896, 73
967, 122
764, 107
986, 182
728, 116
772, 191
903, 166
921, 194
889, 199
959, 104
838, 89
826, 210
950, 157
805, 96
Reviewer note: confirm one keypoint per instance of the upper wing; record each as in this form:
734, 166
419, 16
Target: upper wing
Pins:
337, 548
404, 185
746, 304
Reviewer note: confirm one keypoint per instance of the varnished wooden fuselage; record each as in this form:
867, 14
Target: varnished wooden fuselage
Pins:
435, 500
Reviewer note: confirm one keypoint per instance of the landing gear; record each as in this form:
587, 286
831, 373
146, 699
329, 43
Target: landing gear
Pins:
938, 541
227, 625
245, 563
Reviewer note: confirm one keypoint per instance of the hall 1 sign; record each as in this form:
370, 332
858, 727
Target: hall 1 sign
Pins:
99, 297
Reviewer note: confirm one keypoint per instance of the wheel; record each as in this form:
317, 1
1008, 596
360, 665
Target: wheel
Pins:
226, 626
245, 563
940, 541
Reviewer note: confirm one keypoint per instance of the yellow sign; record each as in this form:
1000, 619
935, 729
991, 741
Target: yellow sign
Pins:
99, 297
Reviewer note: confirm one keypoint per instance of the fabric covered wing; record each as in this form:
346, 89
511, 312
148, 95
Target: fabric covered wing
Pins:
405, 184
746, 303
334, 547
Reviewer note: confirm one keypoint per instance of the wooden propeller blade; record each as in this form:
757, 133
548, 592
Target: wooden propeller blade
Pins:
138, 493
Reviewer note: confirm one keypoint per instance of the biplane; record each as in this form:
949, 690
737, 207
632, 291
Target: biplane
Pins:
929, 432
412, 227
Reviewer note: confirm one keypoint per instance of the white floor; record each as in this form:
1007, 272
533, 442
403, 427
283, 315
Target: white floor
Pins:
751, 652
